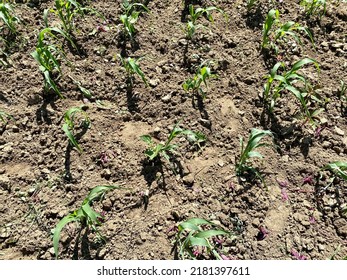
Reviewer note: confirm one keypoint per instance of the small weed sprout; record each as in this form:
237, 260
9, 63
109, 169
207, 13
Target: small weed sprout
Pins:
5, 117
314, 7
201, 77
164, 149
198, 238
9, 19
84, 215
195, 14
281, 31
132, 67
248, 152
70, 123
287, 81
130, 17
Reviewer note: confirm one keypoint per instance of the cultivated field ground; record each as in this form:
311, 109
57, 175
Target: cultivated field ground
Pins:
291, 203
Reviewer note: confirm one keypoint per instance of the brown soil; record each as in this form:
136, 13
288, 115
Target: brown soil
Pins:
42, 178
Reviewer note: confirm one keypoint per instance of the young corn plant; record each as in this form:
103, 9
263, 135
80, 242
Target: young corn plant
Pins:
201, 77
130, 17
70, 119
250, 4
274, 31
195, 14
85, 216
338, 168
66, 10
198, 238
343, 91
276, 83
47, 55
314, 7
132, 67
165, 149
243, 166
8, 18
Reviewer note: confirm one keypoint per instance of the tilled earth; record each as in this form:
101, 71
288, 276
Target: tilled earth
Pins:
42, 179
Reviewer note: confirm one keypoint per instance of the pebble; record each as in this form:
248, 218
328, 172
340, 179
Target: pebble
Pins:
326, 144
154, 82
339, 131
337, 45
188, 180
102, 253
7, 147
285, 158
321, 247
51, 251
143, 236
166, 98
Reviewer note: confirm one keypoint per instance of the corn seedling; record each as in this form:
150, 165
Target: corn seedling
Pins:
274, 31
85, 215
198, 238
195, 14
286, 81
201, 77
164, 149
4, 117
70, 123
339, 168
250, 4
47, 56
342, 91
9, 19
130, 16
248, 152
314, 7
66, 10
132, 67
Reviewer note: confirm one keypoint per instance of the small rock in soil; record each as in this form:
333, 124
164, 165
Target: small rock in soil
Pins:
166, 98
188, 180
339, 131
102, 253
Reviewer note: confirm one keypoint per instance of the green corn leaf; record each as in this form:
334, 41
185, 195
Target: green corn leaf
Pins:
210, 233
188, 226
199, 221
194, 241
338, 167
98, 191
71, 137
299, 64
52, 84
90, 214
56, 236
147, 139
255, 154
